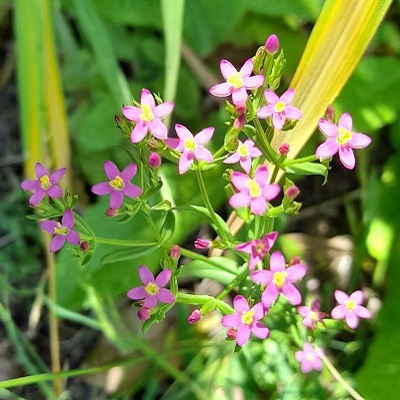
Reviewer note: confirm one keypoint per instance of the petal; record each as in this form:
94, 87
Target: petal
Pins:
163, 277
164, 109
362, 312
132, 190
183, 132
346, 156
258, 205
185, 161
265, 112
357, 297
150, 301
259, 311
303, 311
201, 153
270, 295
239, 200
240, 180
57, 242
30, 184
269, 239
277, 262
230, 321
328, 128
129, 172
247, 68
158, 129
221, 90
137, 293
227, 69
327, 149
287, 97
68, 219
359, 140
261, 175
116, 199
351, 319
271, 97
111, 170
40, 170
260, 330
55, 192
165, 296
173, 143
271, 191
146, 275
296, 272
240, 304
102, 188
139, 132
243, 335
73, 237
132, 113
293, 112
278, 120
147, 98
205, 135
37, 197
261, 276
346, 121
239, 96
291, 293
253, 82
56, 176
339, 312
245, 163
341, 297
48, 226
233, 158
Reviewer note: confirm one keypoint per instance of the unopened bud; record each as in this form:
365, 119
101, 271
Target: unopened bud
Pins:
144, 314
284, 149
85, 246
330, 113
154, 160
239, 122
231, 334
272, 44
292, 191
202, 244
194, 317
295, 260
175, 252
112, 212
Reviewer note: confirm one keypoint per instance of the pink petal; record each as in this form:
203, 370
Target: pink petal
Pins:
271, 191
240, 304
30, 184
163, 277
204, 136
185, 161
341, 297
258, 206
227, 69
40, 170
239, 96
48, 226
359, 140
129, 172
303, 311
296, 272
247, 68
164, 109
239, 180
221, 90
259, 311
57, 242
265, 112
55, 192
158, 129
165, 296
68, 219
277, 262
139, 132
137, 293
291, 293
352, 320
102, 188
261, 276
231, 320
270, 295
239, 200
261, 175
56, 176
278, 120
116, 199
37, 197
233, 158
271, 97
287, 97
150, 301
132, 190
173, 143
245, 163
243, 335
183, 132
260, 330
339, 312
328, 128
346, 121
293, 112
147, 98
357, 297
146, 275
111, 170
362, 312
327, 149
253, 82
201, 153
346, 156
132, 113
73, 237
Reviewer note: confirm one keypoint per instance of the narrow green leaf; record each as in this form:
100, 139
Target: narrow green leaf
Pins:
127, 254
307, 168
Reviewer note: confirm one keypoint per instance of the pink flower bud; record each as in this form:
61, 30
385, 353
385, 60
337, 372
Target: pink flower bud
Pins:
231, 334
202, 244
330, 113
194, 317
144, 314
85, 246
175, 252
272, 44
154, 160
295, 260
112, 212
292, 192
239, 122
284, 148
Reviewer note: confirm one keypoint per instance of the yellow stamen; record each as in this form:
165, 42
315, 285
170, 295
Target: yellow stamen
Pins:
247, 317
117, 183
280, 278
236, 80
146, 115
260, 247
45, 182
310, 356
190, 144
243, 150
314, 316
151, 288
254, 188
344, 136
279, 106
60, 229
350, 305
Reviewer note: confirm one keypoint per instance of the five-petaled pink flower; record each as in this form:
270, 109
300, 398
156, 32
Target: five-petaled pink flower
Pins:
44, 184
247, 320
152, 289
309, 358
341, 139
311, 315
279, 280
245, 152
237, 82
63, 231
258, 248
118, 184
191, 147
350, 308
254, 192
279, 108
148, 117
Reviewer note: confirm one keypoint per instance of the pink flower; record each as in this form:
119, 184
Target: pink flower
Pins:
350, 308
237, 82
148, 117
44, 184
202, 244
309, 358
191, 147
153, 289
63, 231
258, 248
279, 280
311, 315
244, 154
246, 320
272, 44
279, 108
254, 192
118, 184
341, 139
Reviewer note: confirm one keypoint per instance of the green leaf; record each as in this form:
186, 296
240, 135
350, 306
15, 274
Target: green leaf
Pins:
128, 254
307, 168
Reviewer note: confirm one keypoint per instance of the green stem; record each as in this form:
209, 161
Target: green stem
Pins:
125, 243
153, 227
234, 283
261, 134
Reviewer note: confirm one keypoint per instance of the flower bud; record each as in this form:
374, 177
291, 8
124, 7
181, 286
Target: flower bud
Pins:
175, 252
295, 260
194, 317
143, 314
239, 122
292, 191
112, 212
231, 334
272, 44
85, 246
284, 149
330, 113
154, 160
202, 244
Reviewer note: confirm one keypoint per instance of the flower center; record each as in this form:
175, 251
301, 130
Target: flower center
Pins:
117, 183
254, 188
344, 136
279, 106
350, 305
147, 114
310, 356
60, 230
314, 316
243, 150
45, 182
151, 288
190, 144
280, 278
236, 80
260, 246
247, 317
